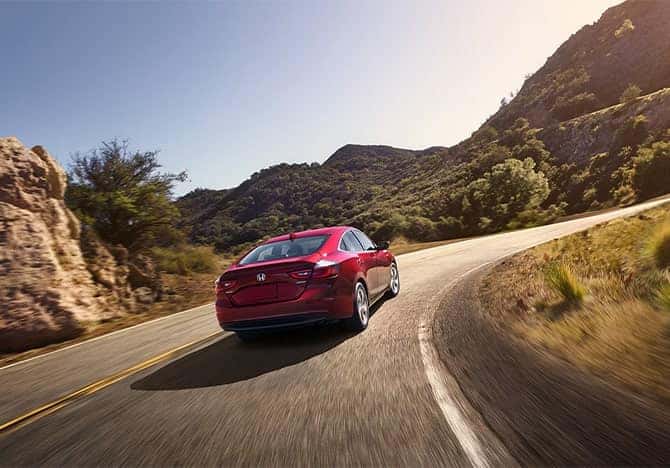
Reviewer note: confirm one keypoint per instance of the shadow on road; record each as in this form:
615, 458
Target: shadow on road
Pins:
229, 360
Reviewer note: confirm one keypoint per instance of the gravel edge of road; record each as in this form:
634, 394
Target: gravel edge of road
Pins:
544, 410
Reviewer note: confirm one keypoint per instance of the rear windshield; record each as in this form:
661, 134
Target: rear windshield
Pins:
284, 249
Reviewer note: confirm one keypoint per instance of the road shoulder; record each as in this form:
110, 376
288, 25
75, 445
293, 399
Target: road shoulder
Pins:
544, 410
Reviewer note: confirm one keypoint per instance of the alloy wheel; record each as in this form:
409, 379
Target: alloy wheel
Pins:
362, 305
395, 280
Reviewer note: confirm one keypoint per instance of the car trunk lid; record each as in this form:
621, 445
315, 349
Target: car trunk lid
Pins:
266, 283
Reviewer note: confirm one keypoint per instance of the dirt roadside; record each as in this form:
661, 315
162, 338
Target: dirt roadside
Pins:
546, 411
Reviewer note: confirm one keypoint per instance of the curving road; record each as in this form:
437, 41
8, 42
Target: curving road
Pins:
325, 397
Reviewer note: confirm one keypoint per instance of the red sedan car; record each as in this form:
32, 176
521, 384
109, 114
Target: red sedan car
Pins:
307, 277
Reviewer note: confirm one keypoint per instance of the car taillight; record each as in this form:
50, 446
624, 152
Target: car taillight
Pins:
325, 269
222, 285
301, 274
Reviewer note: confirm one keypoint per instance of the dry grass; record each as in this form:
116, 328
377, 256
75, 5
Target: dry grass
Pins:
621, 331
658, 246
663, 297
562, 280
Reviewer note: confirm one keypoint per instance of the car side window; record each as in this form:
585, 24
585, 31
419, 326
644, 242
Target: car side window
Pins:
350, 243
364, 240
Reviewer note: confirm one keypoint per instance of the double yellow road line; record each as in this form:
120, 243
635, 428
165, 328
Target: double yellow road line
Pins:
55, 405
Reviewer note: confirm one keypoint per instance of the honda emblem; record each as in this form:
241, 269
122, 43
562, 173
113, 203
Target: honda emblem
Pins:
260, 277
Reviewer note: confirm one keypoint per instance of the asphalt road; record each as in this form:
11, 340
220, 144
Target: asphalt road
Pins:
324, 397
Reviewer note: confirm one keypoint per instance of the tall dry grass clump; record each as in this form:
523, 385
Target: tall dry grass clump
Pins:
663, 297
563, 280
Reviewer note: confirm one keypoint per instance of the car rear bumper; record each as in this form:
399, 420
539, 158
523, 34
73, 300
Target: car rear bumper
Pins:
274, 323
315, 305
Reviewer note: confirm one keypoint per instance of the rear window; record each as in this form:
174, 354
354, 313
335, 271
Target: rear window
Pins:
284, 249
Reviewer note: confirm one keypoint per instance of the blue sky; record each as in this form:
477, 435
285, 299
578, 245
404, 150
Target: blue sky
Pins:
224, 89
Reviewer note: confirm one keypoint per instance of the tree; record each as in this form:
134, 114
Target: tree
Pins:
123, 196
510, 188
630, 94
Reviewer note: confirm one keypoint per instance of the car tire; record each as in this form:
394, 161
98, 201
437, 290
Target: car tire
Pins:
361, 309
394, 281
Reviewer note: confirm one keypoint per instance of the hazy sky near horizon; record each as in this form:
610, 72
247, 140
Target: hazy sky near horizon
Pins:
224, 89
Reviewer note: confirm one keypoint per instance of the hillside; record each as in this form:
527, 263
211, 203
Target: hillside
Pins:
563, 145
630, 44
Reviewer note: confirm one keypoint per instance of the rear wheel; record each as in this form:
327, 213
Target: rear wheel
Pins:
361, 309
394, 281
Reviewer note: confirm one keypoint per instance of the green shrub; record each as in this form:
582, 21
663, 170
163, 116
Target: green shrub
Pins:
658, 246
626, 27
650, 169
185, 259
633, 133
567, 108
562, 279
630, 94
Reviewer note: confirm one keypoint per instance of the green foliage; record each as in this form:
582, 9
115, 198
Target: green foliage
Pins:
625, 28
658, 246
651, 170
394, 226
123, 196
632, 134
631, 93
569, 107
389, 193
517, 134
496, 180
562, 280
510, 188
486, 134
185, 259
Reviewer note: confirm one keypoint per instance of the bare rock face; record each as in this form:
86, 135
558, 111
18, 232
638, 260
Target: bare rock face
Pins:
49, 288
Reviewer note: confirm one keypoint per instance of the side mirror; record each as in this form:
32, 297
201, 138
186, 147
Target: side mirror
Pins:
383, 245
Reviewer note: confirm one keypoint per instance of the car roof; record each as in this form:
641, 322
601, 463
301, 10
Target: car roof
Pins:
311, 232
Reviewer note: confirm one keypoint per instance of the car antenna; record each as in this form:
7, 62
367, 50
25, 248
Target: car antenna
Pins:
291, 236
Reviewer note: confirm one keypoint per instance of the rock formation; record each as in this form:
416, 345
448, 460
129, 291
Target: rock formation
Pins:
54, 278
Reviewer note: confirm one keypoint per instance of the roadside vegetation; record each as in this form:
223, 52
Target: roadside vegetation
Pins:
599, 299
562, 280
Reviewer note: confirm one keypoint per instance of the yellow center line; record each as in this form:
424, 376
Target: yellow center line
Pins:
55, 405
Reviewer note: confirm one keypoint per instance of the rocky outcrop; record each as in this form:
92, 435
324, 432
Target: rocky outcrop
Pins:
576, 140
54, 278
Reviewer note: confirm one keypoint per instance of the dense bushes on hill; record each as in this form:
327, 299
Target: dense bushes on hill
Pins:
496, 180
418, 195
